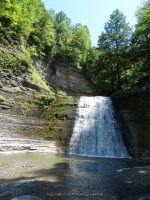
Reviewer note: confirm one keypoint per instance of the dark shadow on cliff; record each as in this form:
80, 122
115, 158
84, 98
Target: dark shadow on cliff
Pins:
125, 133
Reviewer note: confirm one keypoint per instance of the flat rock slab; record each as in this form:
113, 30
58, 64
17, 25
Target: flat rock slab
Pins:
26, 197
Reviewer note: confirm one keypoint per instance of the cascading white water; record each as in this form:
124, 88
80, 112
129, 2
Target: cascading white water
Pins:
96, 131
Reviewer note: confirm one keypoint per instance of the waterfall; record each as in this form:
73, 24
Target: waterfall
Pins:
96, 131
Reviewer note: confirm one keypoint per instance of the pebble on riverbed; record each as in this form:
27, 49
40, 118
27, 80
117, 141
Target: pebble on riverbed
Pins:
26, 197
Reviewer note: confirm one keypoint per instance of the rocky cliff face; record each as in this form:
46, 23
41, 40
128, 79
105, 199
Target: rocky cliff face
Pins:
61, 118
135, 112
26, 109
25, 121
61, 76
20, 121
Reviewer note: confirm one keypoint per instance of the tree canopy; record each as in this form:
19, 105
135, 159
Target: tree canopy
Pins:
121, 60
114, 44
124, 54
51, 33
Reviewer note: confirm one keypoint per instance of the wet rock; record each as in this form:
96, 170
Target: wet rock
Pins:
27, 197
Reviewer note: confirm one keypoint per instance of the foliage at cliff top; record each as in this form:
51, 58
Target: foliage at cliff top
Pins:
122, 59
120, 62
52, 33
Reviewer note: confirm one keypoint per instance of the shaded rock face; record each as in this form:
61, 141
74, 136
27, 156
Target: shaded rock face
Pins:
134, 110
131, 131
137, 138
63, 77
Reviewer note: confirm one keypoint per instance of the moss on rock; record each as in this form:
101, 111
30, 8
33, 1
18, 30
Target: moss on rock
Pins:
2, 99
60, 116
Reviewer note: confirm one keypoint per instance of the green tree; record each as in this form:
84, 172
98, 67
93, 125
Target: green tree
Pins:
81, 44
143, 18
44, 31
91, 63
62, 17
10, 13
142, 34
115, 42
64, 35
33, 12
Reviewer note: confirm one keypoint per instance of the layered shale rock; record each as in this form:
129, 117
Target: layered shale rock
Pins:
61, 76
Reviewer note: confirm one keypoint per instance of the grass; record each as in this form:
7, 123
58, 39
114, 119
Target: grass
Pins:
2, 99
36, 77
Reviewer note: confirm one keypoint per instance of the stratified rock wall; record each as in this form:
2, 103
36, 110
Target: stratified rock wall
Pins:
20, 123
61, 76
135, 113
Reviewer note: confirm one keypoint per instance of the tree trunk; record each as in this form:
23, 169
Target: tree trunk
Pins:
119, 78
126, 77
117, 66
148, 51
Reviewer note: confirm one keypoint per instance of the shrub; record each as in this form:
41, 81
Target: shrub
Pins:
2, 99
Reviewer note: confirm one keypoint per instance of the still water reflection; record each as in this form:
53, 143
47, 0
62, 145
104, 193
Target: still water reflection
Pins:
50, 176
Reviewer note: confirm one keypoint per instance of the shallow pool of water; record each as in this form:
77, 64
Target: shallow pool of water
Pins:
51, 177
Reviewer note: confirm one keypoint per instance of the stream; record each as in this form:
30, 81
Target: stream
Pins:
29, 168
53, 177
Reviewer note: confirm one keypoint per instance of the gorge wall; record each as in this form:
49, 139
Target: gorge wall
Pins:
134, 109
32, 109
30, 103
62, 76
22, 114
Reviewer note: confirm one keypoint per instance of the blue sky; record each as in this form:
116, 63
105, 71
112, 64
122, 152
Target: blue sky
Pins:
94, 13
